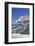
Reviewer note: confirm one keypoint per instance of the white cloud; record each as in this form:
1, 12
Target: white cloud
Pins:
16, 21
22, 18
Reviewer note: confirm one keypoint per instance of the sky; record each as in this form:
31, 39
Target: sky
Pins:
17, 12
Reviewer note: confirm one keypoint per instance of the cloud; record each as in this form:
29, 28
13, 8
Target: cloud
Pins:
16, 21
22, 18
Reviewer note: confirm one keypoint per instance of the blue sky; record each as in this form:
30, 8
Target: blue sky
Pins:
17, 12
